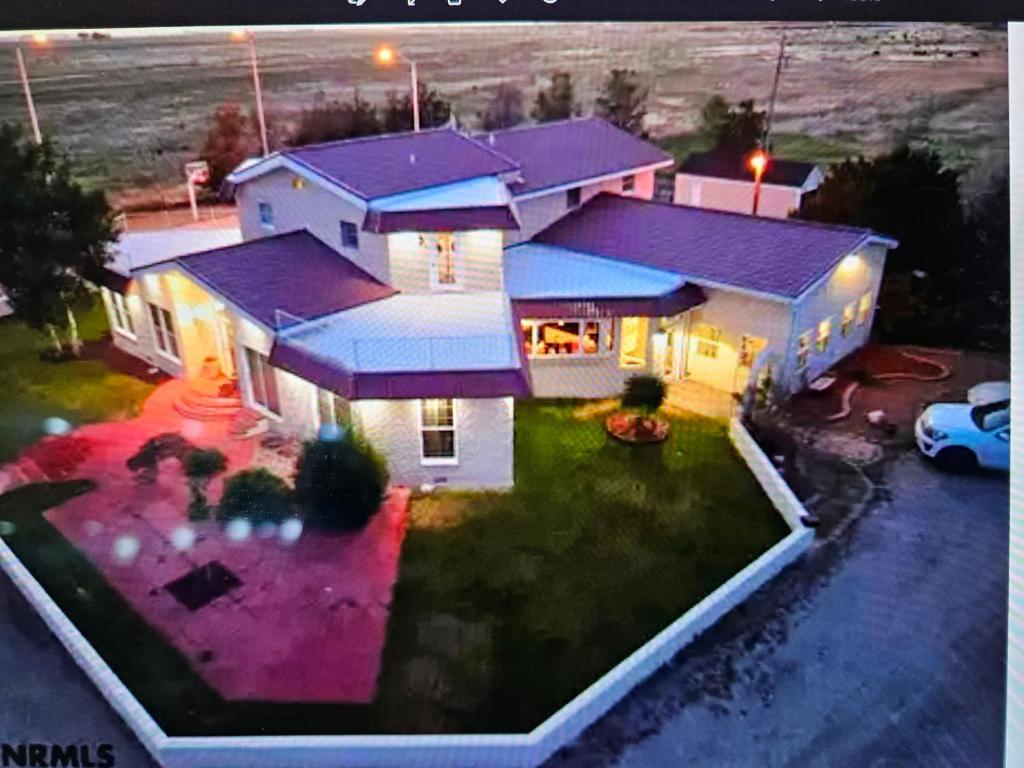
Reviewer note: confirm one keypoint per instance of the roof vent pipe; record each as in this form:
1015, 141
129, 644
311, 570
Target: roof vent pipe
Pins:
412, 159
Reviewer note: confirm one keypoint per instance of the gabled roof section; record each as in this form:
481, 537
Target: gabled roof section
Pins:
379, 166
786, 173
778, 257
281, 280
569, 151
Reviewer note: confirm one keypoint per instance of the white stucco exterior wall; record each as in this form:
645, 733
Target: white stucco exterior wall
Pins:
856, 275
314, 208
483, 435
539, 213
478, 259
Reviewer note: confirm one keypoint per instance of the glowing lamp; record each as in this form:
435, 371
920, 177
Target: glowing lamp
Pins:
385, 55
758, 162
239, 35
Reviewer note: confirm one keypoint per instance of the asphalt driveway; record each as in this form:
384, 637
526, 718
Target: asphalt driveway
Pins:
886, 648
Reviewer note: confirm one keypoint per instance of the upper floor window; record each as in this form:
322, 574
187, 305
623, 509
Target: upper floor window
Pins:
629, 184
266, 215
445, 269
573, 198
349, 235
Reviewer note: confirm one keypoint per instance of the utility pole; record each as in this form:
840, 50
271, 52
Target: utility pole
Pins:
23, 74
775, 92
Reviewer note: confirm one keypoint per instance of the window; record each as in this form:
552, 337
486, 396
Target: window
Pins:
847, 323
545, 338
266, 215
437, 431
709, 337
120, 317
349, 235
803, 350
824, 332
163, 331
633, 349
864, 308
445, 270
262, 381
333, 409
750, 348
573, 198
628, 184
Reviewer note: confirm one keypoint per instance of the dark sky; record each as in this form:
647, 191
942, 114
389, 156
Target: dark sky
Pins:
76, 14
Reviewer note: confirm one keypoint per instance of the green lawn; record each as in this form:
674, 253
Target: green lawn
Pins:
507, 605
79, 390
790, 146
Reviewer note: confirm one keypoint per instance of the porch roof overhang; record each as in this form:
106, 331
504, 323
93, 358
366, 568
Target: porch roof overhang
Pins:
333, 376
410, 346
548, 281
682, 299
441, 219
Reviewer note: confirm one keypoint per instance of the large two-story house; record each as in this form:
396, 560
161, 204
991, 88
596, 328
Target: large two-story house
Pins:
415, 285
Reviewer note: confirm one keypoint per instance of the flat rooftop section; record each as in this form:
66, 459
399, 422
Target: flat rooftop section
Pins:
414, 334
778, 257
569, 151
786, 173
538, 271
135, 250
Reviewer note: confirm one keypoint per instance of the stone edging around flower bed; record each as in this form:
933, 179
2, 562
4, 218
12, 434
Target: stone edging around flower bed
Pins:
500, 750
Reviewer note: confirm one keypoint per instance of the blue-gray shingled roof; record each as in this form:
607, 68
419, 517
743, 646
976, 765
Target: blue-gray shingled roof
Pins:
378, 166
781, 257
568, 151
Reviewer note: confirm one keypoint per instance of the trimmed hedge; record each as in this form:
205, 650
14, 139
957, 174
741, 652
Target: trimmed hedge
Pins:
257, 495
340, 483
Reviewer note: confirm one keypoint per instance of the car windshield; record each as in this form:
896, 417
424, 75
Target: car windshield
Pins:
991, 416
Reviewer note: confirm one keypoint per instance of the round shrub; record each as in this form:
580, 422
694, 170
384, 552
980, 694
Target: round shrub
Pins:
202, 464
340, 483
645, 393
257, 495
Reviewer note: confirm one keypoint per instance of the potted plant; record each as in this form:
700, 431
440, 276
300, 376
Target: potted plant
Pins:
200, 467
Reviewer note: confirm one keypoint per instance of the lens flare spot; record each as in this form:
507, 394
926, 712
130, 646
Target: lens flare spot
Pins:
126, 548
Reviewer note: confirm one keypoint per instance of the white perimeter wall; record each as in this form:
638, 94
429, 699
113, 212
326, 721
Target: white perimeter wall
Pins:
483, 435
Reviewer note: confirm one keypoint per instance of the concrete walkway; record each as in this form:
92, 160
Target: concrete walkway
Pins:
701, 399
892, 655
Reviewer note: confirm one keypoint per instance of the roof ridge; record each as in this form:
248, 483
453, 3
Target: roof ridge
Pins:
486, 146
546, 124
370, 137
734, 214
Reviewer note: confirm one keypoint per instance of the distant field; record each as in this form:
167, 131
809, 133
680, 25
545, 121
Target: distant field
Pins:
132, 110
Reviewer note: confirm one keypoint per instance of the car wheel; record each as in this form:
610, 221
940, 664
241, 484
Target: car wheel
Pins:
957, 459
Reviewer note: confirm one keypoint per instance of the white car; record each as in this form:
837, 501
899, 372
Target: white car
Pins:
961, 437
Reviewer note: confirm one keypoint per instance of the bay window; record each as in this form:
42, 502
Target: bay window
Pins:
566, 338
437, 431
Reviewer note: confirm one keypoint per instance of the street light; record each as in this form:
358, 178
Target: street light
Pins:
245, 36
386, 56
757, 162
37, 40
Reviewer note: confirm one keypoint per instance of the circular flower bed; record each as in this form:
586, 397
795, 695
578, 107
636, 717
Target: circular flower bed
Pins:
635, 428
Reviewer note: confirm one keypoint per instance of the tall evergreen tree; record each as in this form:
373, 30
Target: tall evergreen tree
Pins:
557, 101
623, 101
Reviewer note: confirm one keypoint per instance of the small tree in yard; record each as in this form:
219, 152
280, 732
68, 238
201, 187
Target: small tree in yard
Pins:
257, 495
623, 102
435, 110
200, 467
229, 141
54, 237
644, 393
557, 101
340, 483
505, 110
